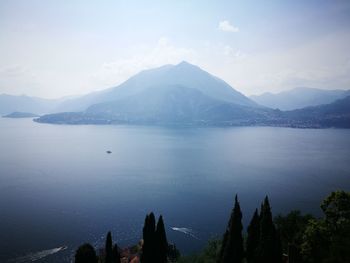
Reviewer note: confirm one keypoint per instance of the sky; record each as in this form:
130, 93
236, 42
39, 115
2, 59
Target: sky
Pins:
52, 49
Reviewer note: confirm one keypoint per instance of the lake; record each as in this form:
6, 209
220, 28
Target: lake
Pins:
59, 187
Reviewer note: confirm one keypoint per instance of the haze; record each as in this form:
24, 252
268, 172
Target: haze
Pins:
61, 48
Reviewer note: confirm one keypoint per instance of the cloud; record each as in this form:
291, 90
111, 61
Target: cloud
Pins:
164, 52
231, 52
227, 27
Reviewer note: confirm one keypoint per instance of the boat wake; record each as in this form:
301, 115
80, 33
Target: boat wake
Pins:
37, 255
186, 231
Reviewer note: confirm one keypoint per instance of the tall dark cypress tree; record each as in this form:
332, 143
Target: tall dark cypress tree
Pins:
268, 247
152, 223
261, 210
161, 242
223, 244
115, 254
253, 238
149, 246
108, 248
146, 240
232, 247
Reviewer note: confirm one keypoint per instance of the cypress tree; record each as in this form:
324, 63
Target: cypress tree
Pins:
261, 210
108, 248
152, 223
161, 242
149, 246
85, 254
253, 238
146, 238
223, 244
268, 247
115, 254
232, 247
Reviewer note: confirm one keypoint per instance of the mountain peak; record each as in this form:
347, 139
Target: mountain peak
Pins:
183, 74
186, 64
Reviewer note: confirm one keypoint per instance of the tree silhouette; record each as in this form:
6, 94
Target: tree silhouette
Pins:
149, 244
115, 254
253, 238
161, 242
232, 247
155, 243
108, 248
269, 247
85, 254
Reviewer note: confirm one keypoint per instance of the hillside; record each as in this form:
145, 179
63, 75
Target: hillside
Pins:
23, 103
173, 105
184, 94
336, 114
17, 114
183, 74
299, 98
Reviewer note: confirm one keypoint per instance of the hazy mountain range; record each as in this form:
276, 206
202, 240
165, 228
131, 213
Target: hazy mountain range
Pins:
299, 98
10, 103
184, 94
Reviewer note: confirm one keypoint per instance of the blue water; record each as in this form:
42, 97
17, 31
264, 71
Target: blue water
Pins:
59, 187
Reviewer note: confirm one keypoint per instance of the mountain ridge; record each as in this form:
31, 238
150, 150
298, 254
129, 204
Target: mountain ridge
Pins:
24, 103
184, 74
332, 115
298, 98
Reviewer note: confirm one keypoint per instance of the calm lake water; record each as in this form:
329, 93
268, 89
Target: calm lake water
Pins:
59, 187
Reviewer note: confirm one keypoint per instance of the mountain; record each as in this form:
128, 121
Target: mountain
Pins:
184, 94
299, 98
182, 74
164, 105
184, 106
335, 114
173, 104
23, 103
171, 94
17, 114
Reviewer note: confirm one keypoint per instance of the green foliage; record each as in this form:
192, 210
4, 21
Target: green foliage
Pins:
210, 254
304, 238
337, 210
173, 253
336, 207
232, 247
328, 239
85, 254
316, 241
292, 227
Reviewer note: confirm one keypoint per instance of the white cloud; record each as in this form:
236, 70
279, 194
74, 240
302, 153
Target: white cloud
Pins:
231, 52
115, 72
227, 27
